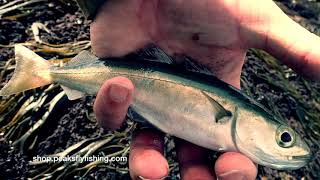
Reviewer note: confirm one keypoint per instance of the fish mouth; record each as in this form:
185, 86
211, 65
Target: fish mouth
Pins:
296, 163
292, 162
288, 163
304, 158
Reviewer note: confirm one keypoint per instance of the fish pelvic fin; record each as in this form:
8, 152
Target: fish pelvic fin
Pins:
72, 93
31, 71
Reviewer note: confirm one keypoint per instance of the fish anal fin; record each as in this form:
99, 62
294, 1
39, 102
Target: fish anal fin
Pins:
221, 114
73, 94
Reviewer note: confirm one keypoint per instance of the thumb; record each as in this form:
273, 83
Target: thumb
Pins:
290, 43
112, 102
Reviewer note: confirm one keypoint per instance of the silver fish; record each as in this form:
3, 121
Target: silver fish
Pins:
198, 108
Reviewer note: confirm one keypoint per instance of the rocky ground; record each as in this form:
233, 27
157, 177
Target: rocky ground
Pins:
54, 124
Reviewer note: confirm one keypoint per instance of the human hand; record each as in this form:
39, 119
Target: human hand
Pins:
215, 32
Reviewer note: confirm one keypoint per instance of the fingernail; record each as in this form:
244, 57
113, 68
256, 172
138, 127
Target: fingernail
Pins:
230, 175
118, 93
142, 178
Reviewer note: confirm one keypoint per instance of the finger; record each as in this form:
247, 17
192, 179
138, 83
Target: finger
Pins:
232, 165
296, 47
124, 19
112, 102
146, 160
193, 161
290, 43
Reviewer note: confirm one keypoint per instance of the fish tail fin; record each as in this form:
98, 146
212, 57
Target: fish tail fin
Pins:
31, 71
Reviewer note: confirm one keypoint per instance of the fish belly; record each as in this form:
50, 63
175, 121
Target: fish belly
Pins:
181, 111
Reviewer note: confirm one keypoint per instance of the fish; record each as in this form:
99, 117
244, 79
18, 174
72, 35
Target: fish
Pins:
192, 106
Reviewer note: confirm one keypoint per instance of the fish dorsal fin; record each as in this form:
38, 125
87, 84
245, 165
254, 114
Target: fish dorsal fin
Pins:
84, 57
192, 66
151, 53
73, 94
219, 111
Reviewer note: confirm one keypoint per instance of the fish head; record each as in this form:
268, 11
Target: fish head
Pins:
270, 142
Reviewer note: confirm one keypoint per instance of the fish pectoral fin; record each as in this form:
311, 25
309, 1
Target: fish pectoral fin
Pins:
220, 112
73, 94
133, 115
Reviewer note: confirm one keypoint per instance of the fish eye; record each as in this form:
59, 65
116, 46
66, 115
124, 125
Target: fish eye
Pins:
285, 137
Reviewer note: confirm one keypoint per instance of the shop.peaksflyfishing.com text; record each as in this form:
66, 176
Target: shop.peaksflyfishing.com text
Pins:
78, 158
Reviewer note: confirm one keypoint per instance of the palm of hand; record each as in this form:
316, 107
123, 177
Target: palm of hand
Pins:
187, 27
217, 36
